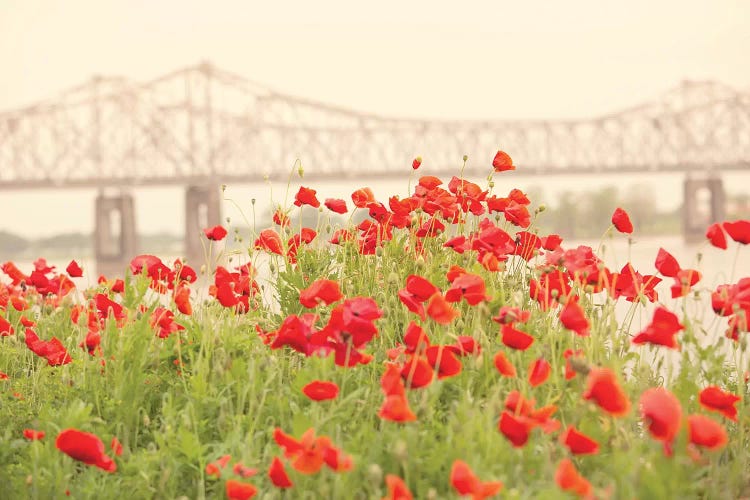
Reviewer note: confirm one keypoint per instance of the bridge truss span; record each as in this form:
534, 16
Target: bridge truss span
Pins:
202, 123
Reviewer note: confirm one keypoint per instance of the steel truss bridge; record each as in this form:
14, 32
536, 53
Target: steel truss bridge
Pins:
203, 123
201, 126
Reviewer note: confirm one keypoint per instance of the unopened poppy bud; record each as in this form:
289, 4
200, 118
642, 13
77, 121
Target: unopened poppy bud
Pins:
328, 228
203, 269
491, 184
300, 170
228, 220
272, 268
431, 494
29, 480
400, 451
393, 278
375, 474
223, 187
542, 208
466, 157
743, 343
146, 420
252, 201
420, 261
579, 365
379, 251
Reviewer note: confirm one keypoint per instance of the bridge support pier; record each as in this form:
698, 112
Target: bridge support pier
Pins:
115, 239
202, 210
704, 203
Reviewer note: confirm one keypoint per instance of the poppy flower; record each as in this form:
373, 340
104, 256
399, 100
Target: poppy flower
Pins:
716, 236
309, 453
539, 371
502, 162
243, 471
321, 391
503, 365
621, 221
703, 431
684, 281
579, 443
396, 409
306, 196
280, 217
116, 446
53, 350
468, 286
573, 318
216, 233
320, 291
568, 479
6, 329
713, 398
362, 197
336, 205
662, 330
182, 300
237, 490
551, 242
515, 338
508, 314
214, 468
662, 414
440, 309
416, 162
738, 230
397, 489
270, 241
84, 447
602, 388
443, 359
465, 482
415, 338
666, 264
33, 435
417, 372
74, 270
277, 474
515, 428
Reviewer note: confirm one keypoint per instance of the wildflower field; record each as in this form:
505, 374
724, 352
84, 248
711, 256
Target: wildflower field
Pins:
440, 348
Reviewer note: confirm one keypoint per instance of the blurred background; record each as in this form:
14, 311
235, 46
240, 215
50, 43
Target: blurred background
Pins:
119, 121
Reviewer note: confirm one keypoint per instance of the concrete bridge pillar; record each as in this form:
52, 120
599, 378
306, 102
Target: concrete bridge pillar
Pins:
115, 239
202, 210
704, 203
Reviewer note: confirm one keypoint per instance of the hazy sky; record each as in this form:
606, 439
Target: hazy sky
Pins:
489, 59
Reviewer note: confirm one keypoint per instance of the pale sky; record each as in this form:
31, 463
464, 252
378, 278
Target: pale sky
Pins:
485, 59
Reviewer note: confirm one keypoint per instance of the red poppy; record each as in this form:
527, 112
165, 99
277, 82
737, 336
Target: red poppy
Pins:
396, 409
703, 431
517, 214
237, 490
362, 197
243, 471
6, 329
716, 236
515, 338
662, 330
53, 350
397, 489
621, 221
116, 446
321, 291
503, 365
684, 281
440, 309
443, 359
182, 300
579, 443
270, 241
415, 338
33, 435
551, 242
568, 479
321, 391
515, 428
216, 233
416, 163
306, 196
738, 230
417, 372
662, 414
666, 264
281, 218
74, 270
277, 474
469, 287
573, 317
465, 482
84, 447
567, 354
508, 314
214, 468
336, 205
502, 162
714, 399
539, 371
603, 389
310, 453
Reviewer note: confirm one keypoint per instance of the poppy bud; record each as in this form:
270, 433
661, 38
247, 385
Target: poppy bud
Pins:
223, 187
375, 474
379, 251
466, 157
491, 184
420, 262
400, 451
252, 201
300, 170
146, 420
542, 208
